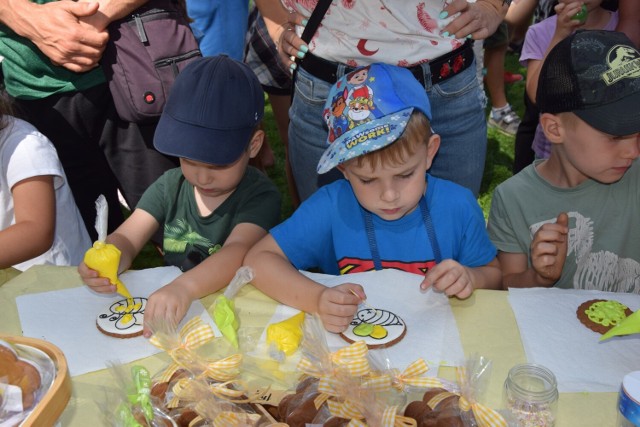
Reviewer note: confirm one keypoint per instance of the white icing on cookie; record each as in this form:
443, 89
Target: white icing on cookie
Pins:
122, 317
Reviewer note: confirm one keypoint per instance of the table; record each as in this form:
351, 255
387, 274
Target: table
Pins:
485, 320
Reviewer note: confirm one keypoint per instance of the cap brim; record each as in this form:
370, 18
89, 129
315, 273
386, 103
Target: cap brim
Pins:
619, 118
217, 147
364, 139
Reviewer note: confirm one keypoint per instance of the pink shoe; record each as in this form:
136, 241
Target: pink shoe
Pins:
512, 78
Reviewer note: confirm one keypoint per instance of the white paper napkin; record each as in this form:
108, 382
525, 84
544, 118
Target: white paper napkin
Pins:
67, 318
553, 336
432, 333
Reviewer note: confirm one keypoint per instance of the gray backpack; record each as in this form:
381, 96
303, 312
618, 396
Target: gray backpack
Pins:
145, 53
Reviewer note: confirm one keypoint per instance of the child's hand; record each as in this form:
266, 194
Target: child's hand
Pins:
549, 249
449, 277
94, 281
170, 303
566, 25
337, 305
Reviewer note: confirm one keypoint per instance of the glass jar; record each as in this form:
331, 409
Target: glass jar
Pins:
531, 395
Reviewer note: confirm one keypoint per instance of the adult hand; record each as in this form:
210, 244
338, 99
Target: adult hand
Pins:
58, 30
549, 249
169, 304
450, 277
91, 278
287, 42
337, 305
480, 19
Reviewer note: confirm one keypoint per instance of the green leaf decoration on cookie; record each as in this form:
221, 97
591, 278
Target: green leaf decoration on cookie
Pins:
606, 313
363, 329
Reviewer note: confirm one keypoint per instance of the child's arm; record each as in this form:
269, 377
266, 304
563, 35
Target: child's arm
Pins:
454, 279
129, 238
565, 26
548, 254
276, 277
172, 301
34, 204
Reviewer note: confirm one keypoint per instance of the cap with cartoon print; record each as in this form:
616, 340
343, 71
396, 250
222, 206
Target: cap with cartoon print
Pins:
368, 109
594, 74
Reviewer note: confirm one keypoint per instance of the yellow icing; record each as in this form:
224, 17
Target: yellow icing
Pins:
379, 332
606, 313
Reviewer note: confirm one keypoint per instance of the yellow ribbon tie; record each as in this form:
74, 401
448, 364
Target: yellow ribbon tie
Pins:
192, 335
411, 376
346, 409
353, 358
435, 400
485, 417
391, 419
377, 383
224, 369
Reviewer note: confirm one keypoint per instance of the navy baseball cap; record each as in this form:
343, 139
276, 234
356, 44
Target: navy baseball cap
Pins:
594, 74
212, 110
368, 109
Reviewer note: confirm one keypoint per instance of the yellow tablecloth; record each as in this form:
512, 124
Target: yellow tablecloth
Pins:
486, 323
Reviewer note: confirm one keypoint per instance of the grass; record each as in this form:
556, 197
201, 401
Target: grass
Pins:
497, 167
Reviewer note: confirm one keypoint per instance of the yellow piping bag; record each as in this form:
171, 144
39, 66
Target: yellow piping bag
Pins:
105, 257
224, 308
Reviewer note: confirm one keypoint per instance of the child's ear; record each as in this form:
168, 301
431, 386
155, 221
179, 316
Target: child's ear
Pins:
256, 143
433, 145
552, 127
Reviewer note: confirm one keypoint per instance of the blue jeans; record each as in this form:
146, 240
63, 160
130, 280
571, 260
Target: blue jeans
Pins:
457, 105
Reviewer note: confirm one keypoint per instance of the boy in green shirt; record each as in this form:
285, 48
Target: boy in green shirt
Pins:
214, 207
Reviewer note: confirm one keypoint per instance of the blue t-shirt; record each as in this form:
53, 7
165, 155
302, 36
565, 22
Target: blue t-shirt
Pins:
328, 232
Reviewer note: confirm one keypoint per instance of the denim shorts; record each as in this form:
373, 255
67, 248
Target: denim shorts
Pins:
457, 105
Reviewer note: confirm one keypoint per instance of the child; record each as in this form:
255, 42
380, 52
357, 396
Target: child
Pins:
39, 220
543, 36
386, 213
214, 200
571, 221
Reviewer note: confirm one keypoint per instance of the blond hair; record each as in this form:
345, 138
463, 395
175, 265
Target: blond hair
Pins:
417, 131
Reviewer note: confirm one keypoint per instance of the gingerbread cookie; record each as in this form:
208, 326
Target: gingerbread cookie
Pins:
123, 319
600, 315
376, 327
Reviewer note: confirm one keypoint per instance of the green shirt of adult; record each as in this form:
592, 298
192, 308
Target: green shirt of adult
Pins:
29, 74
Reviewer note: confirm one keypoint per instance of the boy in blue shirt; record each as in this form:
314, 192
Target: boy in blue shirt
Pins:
386, 213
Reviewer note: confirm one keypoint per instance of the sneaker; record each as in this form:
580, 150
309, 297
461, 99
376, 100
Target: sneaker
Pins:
512, 77
507, 123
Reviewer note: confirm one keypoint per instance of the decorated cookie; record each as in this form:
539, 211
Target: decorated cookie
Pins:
601, 315
376, 327
123, 319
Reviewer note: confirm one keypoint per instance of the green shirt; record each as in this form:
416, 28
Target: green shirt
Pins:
189, 237
29, 74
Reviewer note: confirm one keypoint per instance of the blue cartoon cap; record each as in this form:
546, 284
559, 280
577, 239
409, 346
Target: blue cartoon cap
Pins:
368, 109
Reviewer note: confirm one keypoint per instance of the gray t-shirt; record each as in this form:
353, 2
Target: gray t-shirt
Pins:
604, 226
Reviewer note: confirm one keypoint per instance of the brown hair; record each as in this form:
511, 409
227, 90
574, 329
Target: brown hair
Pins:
417, 131
6, 109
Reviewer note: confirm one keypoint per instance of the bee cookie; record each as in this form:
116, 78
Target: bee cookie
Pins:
376, 327
123, 319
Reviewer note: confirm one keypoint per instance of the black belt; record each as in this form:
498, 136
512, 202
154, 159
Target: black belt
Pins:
442, 68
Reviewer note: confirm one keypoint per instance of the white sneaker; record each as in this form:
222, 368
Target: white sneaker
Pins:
507, 123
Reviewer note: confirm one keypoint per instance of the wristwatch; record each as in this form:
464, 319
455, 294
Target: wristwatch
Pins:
507, 2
